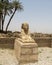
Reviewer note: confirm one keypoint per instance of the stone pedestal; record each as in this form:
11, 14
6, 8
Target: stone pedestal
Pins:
26, 51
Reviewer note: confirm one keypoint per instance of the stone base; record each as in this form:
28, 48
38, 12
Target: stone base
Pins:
26, 51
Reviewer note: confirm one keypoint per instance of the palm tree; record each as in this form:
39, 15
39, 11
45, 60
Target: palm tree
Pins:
6, 10
1, 9
0, 22
16, 7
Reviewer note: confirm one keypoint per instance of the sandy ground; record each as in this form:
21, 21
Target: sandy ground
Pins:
7, 57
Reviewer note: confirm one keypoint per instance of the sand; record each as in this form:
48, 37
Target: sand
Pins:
7, 57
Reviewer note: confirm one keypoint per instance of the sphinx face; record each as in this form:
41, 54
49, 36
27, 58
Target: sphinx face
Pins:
26, 27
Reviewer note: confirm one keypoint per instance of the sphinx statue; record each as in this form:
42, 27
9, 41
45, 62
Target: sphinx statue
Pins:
26, 49
25, 35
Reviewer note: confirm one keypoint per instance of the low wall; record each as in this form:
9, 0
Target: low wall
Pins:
51, 43
7, 42
41, 41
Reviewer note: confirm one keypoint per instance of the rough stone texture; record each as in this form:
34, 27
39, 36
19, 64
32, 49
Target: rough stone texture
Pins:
43, 41
25, 46
26, 52
51, 43
7, 42
25, 34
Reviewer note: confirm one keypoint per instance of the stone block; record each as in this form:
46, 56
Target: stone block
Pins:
35, 50
26, 52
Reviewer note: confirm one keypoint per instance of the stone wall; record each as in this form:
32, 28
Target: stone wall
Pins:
8, 42
51, 43
43, 41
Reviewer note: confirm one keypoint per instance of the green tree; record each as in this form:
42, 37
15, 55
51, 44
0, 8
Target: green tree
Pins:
16, 7
5, 9
9, 8
1, 8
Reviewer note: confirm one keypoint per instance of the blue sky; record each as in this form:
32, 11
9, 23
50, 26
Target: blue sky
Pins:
38, 13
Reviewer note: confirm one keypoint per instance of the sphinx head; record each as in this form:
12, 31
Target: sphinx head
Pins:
25, 27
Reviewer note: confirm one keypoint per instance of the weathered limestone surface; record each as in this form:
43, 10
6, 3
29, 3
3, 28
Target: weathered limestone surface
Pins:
7, 42
51, 43
25, 47
43, 41
26, 52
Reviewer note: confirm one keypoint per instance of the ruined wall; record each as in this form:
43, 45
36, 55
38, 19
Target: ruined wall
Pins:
43, 41
8, 42
51, 43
